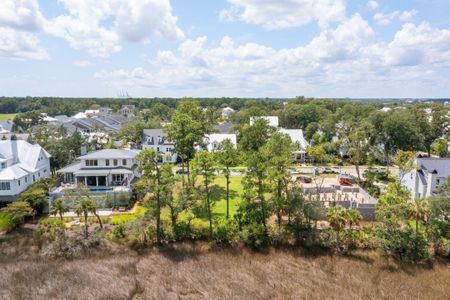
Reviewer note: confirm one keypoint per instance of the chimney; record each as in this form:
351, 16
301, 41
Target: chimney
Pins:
83, 149
14, 150
431, 183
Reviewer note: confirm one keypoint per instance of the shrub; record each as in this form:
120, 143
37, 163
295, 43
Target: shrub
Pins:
254, 235
225, 232
119, 231
401, 243
183, 231
6, 224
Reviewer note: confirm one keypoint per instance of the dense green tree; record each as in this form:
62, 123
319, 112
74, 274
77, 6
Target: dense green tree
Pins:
187, 129
337, 218
278, 152
18, 211
158, 179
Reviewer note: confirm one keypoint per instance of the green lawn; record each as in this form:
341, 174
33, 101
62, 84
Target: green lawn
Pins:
7, 116
236, 190
124, 218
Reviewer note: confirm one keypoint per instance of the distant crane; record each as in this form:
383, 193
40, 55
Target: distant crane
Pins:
123, 94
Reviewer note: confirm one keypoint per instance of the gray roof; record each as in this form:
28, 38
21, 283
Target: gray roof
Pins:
154, 132
6, 124
224, 127
111, 154
439, 165
64, 119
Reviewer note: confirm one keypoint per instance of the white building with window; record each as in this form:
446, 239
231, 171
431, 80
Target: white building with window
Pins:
157, 140
21, 163
427, 176
103, 169
271, 120
213, 141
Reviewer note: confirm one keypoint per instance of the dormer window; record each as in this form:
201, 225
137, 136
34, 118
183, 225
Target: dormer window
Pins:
91, 163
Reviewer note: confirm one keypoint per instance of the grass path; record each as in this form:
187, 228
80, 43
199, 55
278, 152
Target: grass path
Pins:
7, 116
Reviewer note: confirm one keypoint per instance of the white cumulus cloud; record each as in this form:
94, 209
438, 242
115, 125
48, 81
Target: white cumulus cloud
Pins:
346, 59
20, 45
101, 26
278, 14
387, 18
19, 23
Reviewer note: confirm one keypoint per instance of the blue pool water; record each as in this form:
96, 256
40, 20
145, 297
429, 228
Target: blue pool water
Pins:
100, 190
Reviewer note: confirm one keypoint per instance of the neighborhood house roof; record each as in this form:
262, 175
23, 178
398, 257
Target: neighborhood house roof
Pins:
439, 165
272, 120
111, 154
27, 158
296, 136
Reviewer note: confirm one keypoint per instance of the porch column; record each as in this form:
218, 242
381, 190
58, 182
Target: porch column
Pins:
96, 180
85, 181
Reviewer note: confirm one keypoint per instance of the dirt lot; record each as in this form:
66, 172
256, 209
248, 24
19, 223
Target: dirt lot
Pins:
197, 271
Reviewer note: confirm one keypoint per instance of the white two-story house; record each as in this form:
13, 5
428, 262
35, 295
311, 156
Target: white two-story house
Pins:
103, 169
427, 176
157, 140
21, 164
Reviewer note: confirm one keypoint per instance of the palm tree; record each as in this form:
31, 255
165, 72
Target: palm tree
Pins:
83, 208
93, 209
337, 219
418, 210
353, 218
58, 208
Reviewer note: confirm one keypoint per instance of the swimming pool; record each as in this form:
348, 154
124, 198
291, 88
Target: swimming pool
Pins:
100, 190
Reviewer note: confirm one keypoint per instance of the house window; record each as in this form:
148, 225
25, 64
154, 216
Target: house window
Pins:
5, 186
34, 178
117, 177
26, 179
157, 149
45, 170
115, 162
3, 165
160, 140
107, 162
124, 162
91, 163
39, 174
18, 182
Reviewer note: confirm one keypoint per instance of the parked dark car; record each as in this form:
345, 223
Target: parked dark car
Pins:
181, 171
304, 179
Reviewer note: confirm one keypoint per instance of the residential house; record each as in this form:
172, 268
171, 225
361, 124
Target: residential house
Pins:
213, 141
296, 135
20, 165
226, 112
103, 169
127, 110
427, 176
157, 140
272, 120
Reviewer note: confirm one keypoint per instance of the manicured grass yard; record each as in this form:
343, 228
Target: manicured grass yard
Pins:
236, 190
7, 116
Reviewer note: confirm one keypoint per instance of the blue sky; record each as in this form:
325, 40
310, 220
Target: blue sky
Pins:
236, 48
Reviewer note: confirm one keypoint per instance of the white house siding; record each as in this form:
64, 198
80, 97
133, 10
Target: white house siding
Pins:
21, 165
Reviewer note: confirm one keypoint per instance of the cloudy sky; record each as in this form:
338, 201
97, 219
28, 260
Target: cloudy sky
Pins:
248, 48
